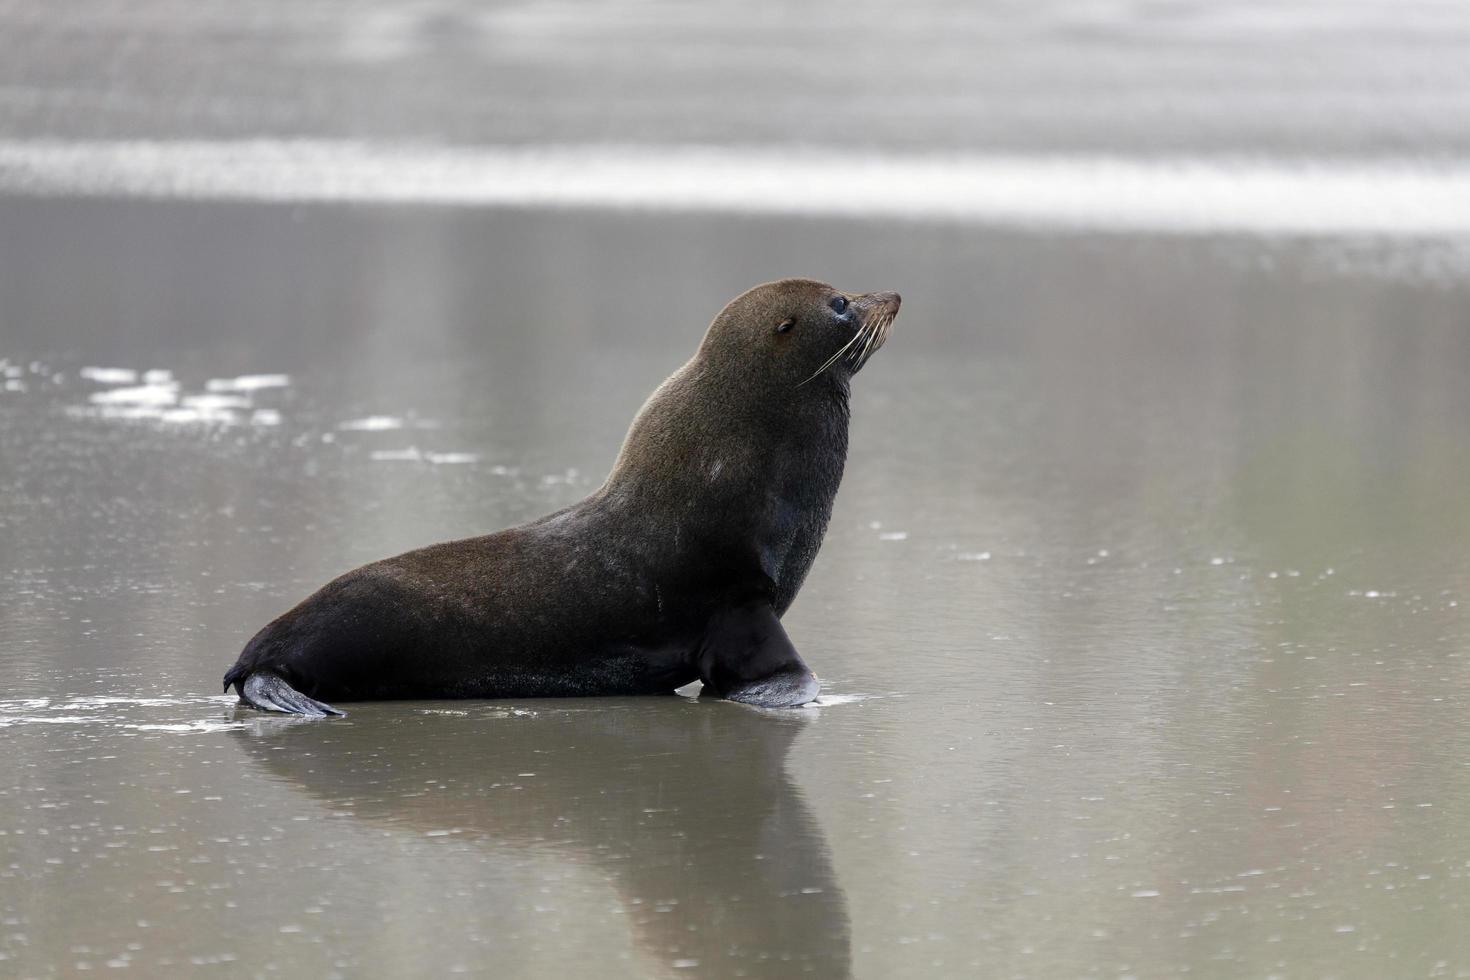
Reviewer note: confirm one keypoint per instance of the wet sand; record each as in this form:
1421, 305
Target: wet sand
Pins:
1142, 613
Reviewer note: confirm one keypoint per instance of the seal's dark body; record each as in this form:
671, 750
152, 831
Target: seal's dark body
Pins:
677, 569
610, 596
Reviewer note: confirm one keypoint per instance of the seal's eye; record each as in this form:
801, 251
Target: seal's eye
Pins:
785, 325
839, 304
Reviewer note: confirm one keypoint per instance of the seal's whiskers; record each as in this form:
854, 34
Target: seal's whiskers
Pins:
833, 359
872, 341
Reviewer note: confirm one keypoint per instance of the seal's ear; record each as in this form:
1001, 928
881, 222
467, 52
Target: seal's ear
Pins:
786, 324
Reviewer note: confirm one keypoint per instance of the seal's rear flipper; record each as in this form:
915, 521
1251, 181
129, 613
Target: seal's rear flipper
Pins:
268, 692
746, 656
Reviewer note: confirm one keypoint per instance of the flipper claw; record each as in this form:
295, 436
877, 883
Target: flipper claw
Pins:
268, 692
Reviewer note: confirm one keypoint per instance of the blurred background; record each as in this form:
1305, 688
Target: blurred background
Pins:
1303, 78
1141, 618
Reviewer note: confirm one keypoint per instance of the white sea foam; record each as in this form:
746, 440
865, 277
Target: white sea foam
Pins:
409, 455
247, 382
121, 712
123, 413
214, 403
415, 455
1189, 195
190, 415
141, 395
833, 700
225, 401
373, 423
159, 413
204, 725
8, 721
110, 375
96, 701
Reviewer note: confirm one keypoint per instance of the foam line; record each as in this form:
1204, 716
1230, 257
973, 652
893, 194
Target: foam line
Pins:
1184, 195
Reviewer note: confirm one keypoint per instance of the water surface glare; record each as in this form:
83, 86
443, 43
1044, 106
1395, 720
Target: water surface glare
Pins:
1141, 618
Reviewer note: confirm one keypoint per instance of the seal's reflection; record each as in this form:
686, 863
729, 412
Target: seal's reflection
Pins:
685, 807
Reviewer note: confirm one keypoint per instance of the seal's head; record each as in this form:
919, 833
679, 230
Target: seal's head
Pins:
763, 400
734, 462
794, 332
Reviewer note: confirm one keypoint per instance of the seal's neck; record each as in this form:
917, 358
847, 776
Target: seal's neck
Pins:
730, 460
699, 419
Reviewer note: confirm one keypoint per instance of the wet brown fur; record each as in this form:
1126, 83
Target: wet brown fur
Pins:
676, 569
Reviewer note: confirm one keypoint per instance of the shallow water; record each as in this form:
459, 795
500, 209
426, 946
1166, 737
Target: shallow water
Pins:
1141, 616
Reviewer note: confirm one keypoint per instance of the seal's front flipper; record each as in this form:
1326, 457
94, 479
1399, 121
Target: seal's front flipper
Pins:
747, 657
268, 692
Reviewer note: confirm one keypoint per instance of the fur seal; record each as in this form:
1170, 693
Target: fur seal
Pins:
678, 568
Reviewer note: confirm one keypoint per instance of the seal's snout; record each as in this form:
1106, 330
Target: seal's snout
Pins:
883, 304
858, 322
878, 312
888, 301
